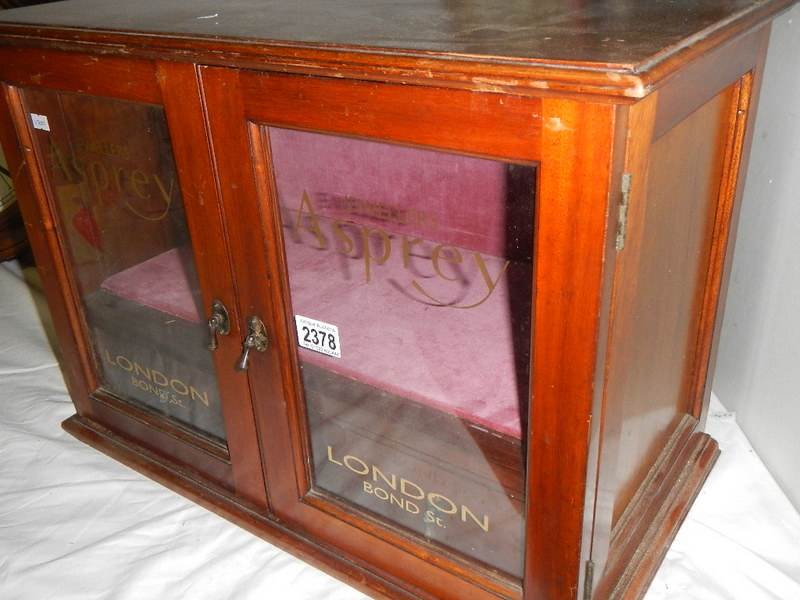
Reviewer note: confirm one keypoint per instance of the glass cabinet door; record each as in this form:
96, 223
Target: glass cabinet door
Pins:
410, 276
386, 237
115, 192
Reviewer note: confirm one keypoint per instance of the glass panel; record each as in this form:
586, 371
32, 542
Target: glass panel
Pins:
411, 273
113, 180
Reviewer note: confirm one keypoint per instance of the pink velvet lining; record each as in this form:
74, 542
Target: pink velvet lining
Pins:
450, 198
460, 361
360, 219
348, 203
161, 283
456, 360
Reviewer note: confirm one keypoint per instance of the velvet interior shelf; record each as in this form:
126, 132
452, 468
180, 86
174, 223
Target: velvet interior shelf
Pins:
417, 331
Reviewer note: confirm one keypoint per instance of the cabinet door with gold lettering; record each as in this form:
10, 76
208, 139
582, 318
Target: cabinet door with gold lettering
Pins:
396, 287
142, 260
410, 279
119, 205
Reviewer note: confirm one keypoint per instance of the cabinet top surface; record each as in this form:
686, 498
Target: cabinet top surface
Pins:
629, 34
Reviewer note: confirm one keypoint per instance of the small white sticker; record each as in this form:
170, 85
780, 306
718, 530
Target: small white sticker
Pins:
40, 122
318, 336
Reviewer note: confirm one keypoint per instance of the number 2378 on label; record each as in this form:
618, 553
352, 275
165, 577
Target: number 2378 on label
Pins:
318, 336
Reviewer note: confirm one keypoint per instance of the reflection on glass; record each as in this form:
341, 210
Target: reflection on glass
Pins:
113, 181
410, 275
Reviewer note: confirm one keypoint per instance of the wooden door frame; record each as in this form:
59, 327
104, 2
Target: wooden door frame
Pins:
233, 466
573, 144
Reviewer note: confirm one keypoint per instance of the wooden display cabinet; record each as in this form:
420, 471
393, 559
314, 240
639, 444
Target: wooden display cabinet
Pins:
426, 294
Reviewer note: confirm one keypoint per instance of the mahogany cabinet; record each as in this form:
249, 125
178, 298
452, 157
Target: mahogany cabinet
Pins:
426, 293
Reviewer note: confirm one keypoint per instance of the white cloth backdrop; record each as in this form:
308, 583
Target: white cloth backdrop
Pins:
76, 524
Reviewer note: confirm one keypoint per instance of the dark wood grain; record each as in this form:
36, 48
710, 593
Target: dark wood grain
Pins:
638, 127
702, 79
597, 520
523, 48
655, 513
150, 430
648, 120
570, 243
657, 316
624, 33
408, 114
186, 118
731, 192
69, 72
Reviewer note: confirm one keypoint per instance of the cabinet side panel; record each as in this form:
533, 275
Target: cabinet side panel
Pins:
661, 283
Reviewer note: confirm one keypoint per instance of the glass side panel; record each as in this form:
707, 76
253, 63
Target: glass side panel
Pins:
113, 180
411, 282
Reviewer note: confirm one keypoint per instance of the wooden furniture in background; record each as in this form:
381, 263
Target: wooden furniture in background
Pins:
12, 231
426, 294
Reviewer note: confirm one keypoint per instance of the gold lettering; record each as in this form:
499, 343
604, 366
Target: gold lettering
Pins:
366, 233
405, 484
78, 168
179, 387
124, 363
485, 272
376, 472
330, 457
450, 255
376, 244
409, 489
136, 180
57, 159
350, 460
154, 376
490, 284
483, 524
159, 378
142, 371
118, 171
139, 180
107, 356
347, 243
314, 222
196, 395
437, 499
165, 194
101, 176
98, 176
407, 244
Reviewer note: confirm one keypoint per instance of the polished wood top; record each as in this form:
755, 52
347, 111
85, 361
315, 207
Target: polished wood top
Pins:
622, 48
625, 32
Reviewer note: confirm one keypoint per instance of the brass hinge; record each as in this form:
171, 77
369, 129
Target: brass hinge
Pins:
622, 219
588, 581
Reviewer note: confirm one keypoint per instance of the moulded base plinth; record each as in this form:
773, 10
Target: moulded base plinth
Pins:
639, 541
645, 530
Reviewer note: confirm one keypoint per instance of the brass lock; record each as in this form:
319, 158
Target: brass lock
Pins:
256, 339
218, 323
